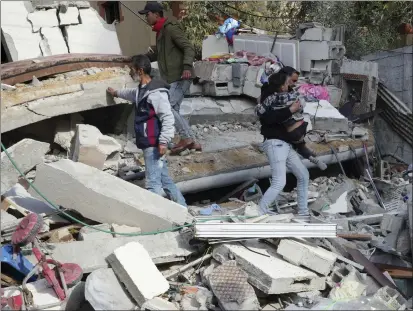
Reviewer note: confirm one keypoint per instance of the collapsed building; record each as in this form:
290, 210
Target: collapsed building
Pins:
76, 145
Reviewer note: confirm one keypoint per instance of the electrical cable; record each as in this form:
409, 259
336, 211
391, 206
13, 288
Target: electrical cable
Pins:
89, 226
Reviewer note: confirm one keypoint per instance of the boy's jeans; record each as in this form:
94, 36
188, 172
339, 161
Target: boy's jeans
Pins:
157, 177
177, 93
281, 155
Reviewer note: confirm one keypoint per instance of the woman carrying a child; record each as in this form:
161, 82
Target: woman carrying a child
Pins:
282, 125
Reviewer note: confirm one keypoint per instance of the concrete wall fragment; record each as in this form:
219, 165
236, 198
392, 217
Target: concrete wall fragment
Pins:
106, 198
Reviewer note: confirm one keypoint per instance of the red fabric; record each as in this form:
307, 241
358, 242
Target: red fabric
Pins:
158, 26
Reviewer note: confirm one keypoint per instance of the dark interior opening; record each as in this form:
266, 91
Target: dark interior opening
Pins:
4, 58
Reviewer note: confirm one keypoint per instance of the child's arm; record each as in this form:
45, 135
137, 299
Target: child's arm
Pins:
162, 106
127, 94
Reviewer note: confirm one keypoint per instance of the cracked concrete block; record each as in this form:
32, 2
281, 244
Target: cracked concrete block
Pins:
316, 259
317, 34
87, 234
93, 148
229, 284
70, 17
163, 248
104, 291
271, 275
27, 153
370, 207
347, 283
362, 68
391, 298
52, 42
158, 303
221, 89
327, 118
135, 268
6, 218
90, 17
105, 198
66, 129
40, 19
213, 72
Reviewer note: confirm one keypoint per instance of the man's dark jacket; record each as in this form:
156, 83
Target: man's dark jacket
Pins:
174, 52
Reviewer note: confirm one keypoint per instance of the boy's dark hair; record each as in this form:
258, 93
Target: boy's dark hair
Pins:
274, 84
289, 70
160, 13
143, 62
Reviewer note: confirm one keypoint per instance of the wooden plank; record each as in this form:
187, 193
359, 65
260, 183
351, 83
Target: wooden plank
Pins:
396, 271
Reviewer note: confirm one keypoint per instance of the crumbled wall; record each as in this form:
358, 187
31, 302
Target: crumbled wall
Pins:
32, 29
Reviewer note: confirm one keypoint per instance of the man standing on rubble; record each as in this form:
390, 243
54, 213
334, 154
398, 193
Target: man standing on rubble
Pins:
154, 126
175, 56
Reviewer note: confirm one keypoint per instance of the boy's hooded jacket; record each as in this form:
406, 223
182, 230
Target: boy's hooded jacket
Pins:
154, 121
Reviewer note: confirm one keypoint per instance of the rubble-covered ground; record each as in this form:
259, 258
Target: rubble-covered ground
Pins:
138, 250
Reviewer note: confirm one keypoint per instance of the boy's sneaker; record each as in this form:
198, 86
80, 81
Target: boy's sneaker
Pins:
321, 165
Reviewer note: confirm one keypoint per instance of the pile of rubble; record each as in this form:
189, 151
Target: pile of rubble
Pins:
353, 252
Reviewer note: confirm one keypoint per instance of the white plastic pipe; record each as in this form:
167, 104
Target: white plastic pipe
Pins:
226, 179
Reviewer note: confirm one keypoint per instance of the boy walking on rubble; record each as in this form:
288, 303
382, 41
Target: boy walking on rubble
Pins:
175, 56
154, 126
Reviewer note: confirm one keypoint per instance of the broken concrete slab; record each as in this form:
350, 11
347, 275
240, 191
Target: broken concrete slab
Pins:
229, 284
90, 233
163, 248
17, 36
88, 38
91, 147
206, 109
158, 303
327, 118
52, 42
91, 96
27, 153
106, 198
104, 291
316, 259
70, 17
43, 19
135, 268
271, 275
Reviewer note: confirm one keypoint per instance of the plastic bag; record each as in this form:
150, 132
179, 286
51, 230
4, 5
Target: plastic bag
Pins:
317, 91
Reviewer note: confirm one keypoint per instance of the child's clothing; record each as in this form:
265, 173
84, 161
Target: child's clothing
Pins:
154, 125
278, 101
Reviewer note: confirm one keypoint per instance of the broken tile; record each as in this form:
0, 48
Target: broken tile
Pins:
135, 268
46, 18
316, 259
70, 17
163, 248
104, 291
52, 42
229, 284
269, 272
106, 198
27, 153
